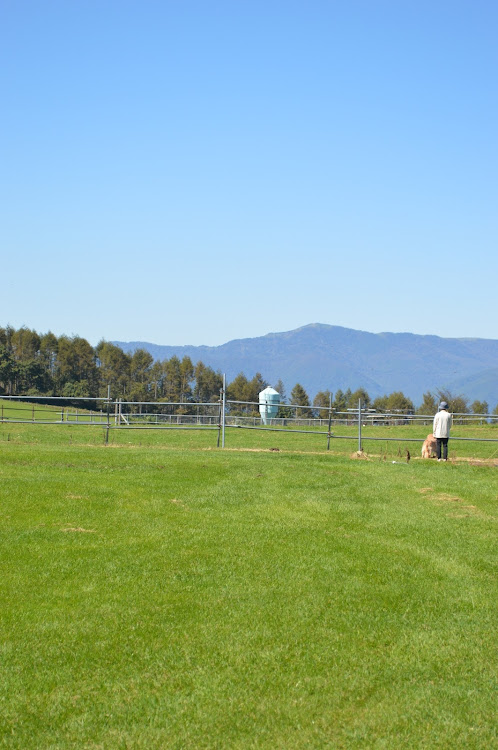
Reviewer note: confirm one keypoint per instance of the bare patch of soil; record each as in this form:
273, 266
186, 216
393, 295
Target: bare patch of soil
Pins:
461, 509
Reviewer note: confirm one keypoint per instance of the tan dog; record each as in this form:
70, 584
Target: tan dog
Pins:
429, 447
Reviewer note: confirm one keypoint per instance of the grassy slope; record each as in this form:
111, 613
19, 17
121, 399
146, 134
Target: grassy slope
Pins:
193, 598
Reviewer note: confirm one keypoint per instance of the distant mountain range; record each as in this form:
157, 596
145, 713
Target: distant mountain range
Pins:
322, 357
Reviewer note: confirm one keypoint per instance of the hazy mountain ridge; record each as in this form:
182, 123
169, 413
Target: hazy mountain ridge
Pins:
323, 357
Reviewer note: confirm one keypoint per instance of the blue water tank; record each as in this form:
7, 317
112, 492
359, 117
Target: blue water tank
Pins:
269, 401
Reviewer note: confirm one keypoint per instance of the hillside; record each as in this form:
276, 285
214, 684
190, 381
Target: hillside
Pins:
330, 357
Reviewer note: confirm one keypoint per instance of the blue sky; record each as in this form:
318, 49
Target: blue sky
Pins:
194, 172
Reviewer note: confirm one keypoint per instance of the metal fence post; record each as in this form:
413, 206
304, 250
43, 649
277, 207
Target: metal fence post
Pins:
219, 419
359, 424
108, 413
330, 422
224, 411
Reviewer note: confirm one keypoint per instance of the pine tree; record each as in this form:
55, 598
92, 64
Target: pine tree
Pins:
359, 395
428, 407
340, 401
322, 400
299, 397
280, 388
397, 401
479, 407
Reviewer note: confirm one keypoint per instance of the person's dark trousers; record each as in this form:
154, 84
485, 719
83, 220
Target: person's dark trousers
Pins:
442, 442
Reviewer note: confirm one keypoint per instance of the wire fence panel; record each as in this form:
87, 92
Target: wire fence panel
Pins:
118, 414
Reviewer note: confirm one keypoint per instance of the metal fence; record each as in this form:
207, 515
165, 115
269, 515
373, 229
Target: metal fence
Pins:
220, 416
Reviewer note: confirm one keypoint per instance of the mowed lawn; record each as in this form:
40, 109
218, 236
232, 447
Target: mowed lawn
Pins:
171, 595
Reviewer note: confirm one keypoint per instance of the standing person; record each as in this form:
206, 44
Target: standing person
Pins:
441, 429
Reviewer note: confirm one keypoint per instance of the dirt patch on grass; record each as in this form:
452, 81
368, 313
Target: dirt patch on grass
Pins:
484, 462
461, 508
480, 461
445, 498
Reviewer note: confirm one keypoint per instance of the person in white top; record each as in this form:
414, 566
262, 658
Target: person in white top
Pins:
441, 429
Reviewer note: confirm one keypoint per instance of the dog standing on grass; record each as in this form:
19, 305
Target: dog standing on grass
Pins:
429, 447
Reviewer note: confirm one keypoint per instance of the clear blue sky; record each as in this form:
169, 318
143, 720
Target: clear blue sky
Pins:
194, 172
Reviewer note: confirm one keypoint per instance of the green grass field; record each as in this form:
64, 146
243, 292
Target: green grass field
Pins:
160, 593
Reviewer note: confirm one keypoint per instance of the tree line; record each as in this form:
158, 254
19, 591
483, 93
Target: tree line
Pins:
34, 364
394, 403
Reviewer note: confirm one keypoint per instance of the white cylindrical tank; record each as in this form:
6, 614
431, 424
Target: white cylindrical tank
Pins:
269, 401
